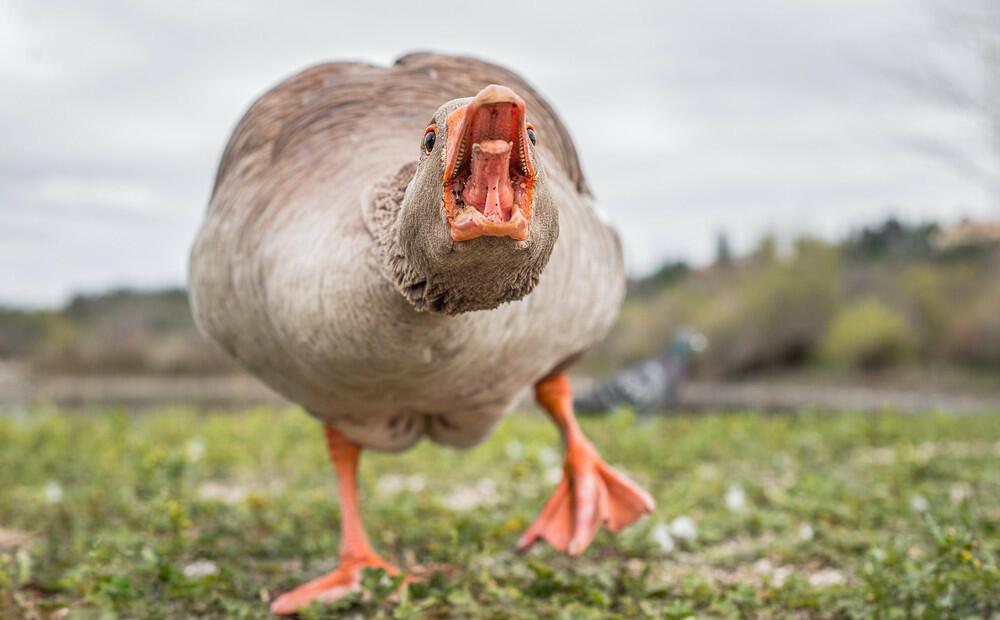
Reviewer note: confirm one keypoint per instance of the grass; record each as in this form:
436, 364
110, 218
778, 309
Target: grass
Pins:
175, 514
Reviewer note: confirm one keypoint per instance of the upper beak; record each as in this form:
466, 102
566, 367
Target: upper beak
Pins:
492, 97
489, 167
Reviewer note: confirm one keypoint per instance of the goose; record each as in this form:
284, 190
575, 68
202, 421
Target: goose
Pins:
403, 251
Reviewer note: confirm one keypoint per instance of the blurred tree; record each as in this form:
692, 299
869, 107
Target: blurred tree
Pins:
20, 330
723, 252
668, 274
974, 28
891, 238
766, 252
974, 332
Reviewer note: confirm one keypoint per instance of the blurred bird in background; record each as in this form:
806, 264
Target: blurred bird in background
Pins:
647, 386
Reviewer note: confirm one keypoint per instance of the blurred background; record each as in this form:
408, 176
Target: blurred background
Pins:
814, 187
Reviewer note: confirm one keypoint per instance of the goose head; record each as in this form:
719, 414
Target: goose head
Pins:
477, 218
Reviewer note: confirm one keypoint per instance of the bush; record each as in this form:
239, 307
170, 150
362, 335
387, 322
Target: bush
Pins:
21, 331
777, 315
866, 335
934, 293
974, 334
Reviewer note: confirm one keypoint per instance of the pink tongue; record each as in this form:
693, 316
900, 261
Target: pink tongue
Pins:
488, 189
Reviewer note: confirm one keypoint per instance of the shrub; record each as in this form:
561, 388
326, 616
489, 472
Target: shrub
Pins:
776, 316
25, 332
934, 293
866, 335
974, 334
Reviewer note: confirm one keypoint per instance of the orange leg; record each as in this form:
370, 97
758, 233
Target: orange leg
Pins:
355, 551
590, 492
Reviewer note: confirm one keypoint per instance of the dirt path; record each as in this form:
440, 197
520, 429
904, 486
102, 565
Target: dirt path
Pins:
134, 391
18, 389
787, 396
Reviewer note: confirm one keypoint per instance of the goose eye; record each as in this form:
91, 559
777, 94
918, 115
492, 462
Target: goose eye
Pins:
430, 135
531, 133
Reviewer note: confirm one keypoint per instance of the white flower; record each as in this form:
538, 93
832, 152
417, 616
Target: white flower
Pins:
958, 492
53, 492
661, 536
222, 492
925, 452
23, 559
736, 498
806, 532
514, 449
195, 449
780, 575
469, 497
777, 574
390, 484
415, 483
919, 503
708, 471
882, 456
826, 578
548, 456
487, 487
684, 527
553, 475
393, 484
200, 568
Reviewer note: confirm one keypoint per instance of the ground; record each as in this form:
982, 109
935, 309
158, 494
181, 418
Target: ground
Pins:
174, 513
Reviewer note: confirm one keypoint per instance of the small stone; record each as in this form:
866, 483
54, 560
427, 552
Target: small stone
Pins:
12, 539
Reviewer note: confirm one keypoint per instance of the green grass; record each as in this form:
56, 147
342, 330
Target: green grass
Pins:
887, 516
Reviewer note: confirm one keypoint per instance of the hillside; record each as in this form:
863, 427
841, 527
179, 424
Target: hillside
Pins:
888, 298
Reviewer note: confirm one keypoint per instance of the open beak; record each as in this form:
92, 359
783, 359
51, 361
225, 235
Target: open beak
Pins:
489, 174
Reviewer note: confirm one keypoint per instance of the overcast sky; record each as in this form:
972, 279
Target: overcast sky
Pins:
690, 117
